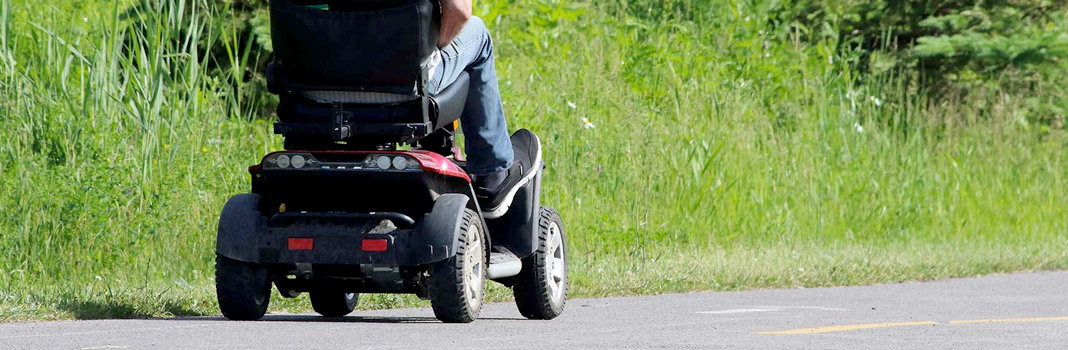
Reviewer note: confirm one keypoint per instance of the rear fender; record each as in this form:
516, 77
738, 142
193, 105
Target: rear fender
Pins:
440, 229
241, 224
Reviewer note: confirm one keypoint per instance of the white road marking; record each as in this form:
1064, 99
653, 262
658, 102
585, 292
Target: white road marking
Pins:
769, 309
821, 308
737, 311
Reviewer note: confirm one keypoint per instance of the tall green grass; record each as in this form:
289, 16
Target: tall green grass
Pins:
725, 154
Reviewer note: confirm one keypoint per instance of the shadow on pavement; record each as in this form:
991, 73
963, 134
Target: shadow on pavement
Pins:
346, 319
117, 309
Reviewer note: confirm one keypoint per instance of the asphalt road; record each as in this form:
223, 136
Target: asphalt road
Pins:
1018, 311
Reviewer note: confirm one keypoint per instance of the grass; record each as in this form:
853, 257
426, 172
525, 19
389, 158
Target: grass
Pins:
725, 155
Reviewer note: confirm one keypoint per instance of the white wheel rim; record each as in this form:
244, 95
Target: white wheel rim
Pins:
555, 265
473, 268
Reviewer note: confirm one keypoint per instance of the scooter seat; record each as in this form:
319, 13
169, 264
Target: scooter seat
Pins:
447, 105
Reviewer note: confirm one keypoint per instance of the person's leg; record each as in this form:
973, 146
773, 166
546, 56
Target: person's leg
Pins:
486, 136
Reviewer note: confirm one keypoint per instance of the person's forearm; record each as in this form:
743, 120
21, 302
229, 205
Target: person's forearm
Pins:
454, 14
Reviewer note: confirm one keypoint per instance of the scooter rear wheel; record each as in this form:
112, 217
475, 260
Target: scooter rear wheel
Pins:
457, 285
243, 289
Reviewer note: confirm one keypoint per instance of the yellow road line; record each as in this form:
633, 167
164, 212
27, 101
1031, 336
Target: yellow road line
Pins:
850, 327
1012, 320
854, 327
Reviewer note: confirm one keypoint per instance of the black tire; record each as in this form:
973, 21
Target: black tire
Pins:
243, 289
540, 291
452, 288
333, 304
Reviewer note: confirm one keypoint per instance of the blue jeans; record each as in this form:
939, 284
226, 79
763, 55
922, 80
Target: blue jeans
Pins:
485, 134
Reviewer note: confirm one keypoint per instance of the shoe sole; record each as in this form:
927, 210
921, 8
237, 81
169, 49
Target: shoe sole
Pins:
502, 208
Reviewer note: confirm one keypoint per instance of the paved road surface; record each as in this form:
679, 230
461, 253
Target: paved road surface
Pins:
1018, 311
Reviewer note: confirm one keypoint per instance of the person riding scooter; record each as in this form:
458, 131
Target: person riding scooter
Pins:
465, 44
344, 210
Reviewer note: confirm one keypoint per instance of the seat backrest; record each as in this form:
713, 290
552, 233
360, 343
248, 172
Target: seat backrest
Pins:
353, 45
352, 74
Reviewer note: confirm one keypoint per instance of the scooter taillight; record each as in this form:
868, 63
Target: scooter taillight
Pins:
374, 245
300, 243
435, 163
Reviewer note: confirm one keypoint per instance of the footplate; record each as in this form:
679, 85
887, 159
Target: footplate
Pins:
503, 264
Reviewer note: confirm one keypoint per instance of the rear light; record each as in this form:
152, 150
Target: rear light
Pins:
301, 243
407, 161
400, 163
436, 163
374, 245
280, 160
382, 162
390, 162
298, 161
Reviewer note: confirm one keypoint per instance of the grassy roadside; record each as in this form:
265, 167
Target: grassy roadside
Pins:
724, 156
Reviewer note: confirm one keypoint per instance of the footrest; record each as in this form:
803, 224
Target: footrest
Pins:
503, 264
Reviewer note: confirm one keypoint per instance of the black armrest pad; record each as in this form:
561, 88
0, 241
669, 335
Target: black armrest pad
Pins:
451, 101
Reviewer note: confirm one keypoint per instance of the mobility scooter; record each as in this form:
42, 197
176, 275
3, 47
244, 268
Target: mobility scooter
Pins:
370, 195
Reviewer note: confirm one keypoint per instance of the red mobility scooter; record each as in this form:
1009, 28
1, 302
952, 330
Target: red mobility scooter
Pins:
370, 195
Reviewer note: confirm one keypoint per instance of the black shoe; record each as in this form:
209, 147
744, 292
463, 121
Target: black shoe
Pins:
496, 191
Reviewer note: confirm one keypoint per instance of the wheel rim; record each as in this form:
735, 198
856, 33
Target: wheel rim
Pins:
349, 297
473, 267
555, 265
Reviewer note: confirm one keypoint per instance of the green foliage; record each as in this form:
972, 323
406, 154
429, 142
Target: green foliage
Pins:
946, 49
242, 54
237, 52
989, 40
947, 42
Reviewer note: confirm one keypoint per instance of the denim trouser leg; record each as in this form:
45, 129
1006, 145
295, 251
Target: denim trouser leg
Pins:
486, 136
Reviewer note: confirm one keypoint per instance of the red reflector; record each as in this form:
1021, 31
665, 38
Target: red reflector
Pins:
374, 245
301, 244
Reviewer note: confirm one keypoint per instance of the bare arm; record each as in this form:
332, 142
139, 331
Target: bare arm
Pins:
454, 14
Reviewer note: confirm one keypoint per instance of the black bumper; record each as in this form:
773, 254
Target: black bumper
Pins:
341, 244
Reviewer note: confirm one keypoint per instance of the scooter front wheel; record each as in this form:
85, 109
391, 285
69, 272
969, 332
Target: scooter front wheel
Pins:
333, 303
540, 289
